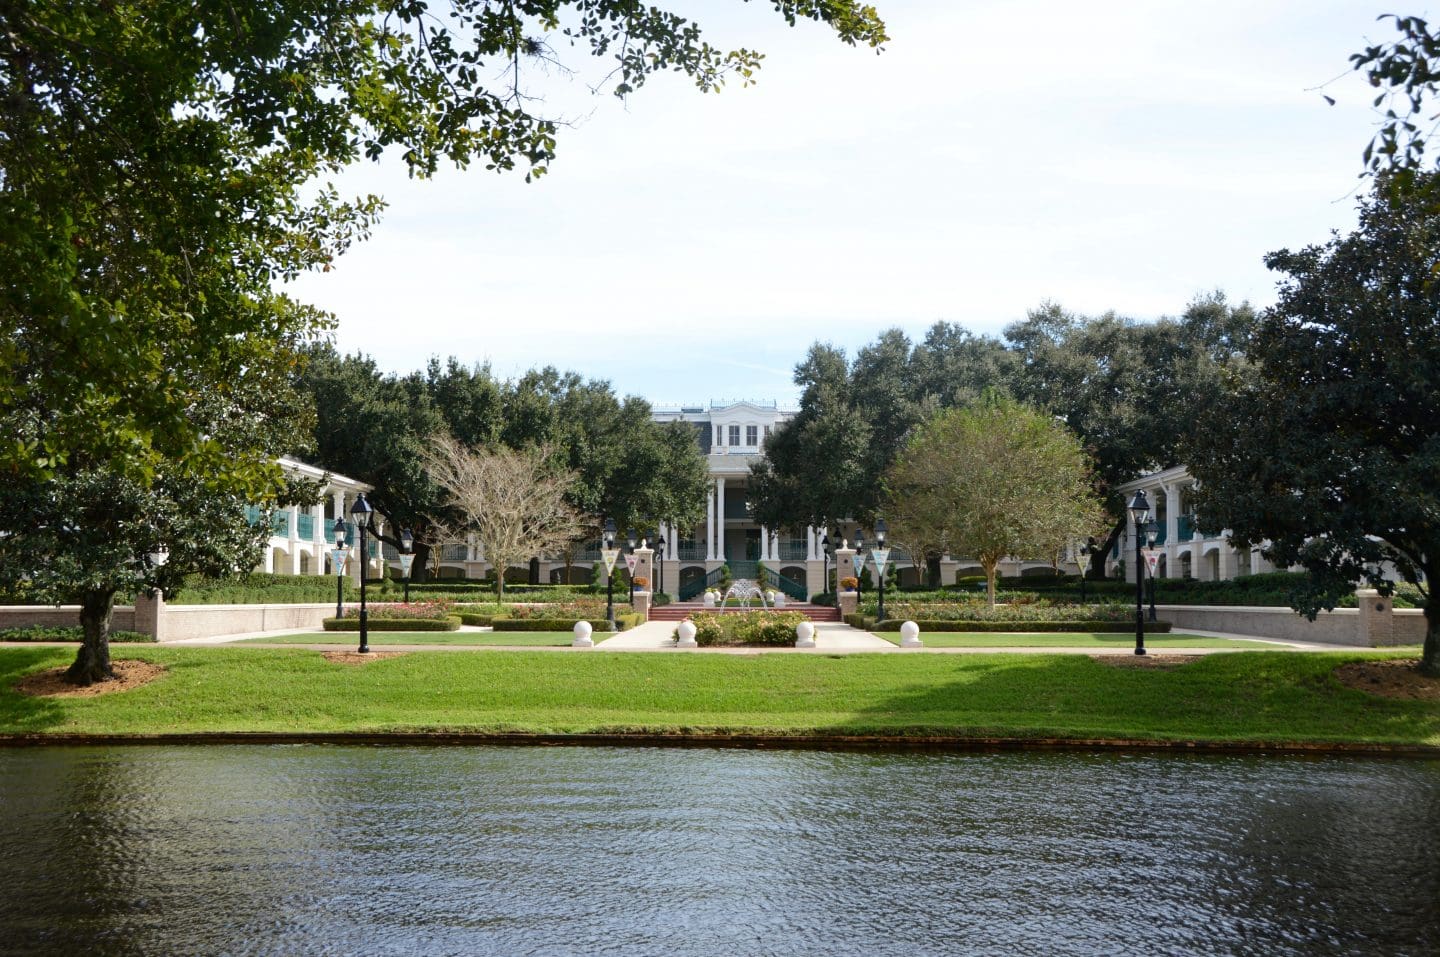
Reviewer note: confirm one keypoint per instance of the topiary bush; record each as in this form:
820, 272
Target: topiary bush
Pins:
752, 628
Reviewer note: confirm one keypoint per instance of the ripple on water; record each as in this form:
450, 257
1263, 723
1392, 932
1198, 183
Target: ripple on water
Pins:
261, 850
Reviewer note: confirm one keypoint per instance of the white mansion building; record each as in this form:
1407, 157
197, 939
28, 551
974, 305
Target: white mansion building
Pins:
732, 435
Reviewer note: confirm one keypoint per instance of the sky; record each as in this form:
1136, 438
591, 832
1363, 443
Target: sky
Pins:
998, 154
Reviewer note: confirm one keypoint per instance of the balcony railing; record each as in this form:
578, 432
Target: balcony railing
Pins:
305, 527
453, 553
1186, 531
690, 552
793, 550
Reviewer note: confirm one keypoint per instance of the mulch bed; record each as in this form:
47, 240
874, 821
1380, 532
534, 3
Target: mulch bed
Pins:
1153, 662
355, 658
130, 673
1390, 678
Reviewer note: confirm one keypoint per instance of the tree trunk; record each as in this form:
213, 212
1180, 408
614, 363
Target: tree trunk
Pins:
990, 568
92, 661
932, 570
1430, 656
1096, 569
420, 568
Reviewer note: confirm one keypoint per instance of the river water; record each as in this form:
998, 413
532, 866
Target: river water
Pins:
513, 851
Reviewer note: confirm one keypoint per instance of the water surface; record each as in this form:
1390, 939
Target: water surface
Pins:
349, 850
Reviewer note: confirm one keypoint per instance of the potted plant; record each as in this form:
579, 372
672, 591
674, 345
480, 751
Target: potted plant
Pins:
849, 584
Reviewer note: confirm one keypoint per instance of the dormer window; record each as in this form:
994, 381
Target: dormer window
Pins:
752, 435
734, 435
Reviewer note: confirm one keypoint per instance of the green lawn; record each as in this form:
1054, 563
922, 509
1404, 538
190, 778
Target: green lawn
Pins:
508, 639
1065, 639
1255, 697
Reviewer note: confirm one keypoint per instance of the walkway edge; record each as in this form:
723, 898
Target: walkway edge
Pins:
723, 740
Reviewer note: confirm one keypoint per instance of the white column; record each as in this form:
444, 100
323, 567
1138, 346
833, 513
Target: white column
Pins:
269, 559
317, 513
292, 521
764, 544
812, 541
710, 524
672, 548
720, 518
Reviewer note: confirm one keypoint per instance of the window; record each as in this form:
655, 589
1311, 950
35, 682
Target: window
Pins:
719, 435
734, 435
750, 435
767, 433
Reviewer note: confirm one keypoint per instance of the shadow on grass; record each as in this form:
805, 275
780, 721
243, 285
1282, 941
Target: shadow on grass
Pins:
1255, 697
22, 714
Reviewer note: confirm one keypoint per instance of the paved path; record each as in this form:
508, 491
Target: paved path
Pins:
830, 637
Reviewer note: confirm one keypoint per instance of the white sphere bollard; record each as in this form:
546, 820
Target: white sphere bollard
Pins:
805, 635
686, 635
910, 635
582, 636
709, 599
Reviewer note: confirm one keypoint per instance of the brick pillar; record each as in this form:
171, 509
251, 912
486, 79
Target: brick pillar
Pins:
150, 615
1377, 618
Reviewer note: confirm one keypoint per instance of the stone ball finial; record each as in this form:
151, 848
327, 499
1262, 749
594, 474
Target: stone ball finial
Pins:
582, 635
805, 635
685, 634
910, 635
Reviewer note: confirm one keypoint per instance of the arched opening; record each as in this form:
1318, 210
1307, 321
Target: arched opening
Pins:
579, 575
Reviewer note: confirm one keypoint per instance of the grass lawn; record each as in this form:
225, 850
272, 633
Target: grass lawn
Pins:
509, 639
1065, 639
1254, 697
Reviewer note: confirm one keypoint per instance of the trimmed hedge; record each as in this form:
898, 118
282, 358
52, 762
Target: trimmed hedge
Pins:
479, 619
622, 621
68, 633
394, 624
1119, 628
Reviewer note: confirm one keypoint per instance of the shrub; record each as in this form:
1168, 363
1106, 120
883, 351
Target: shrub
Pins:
754, 628
1116, 627
551, 624
660, 598
66, 633
394, 624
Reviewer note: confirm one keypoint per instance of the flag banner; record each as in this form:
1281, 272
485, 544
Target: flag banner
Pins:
881, 556
405, 562
608, 556
630, 561
1152, 559
337, 560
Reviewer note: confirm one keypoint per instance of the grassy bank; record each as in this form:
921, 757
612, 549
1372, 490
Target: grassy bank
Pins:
1065, 639
509, 639
1255, 697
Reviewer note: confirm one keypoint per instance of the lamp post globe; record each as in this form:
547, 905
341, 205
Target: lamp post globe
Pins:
361, 513
1139, 509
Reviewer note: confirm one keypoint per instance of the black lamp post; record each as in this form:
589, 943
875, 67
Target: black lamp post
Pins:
407, 547
825, 566
630, 572
609, 543
361, 512
880, 530
860, 568
659, 583
1139, 512
339, 566
1152, 532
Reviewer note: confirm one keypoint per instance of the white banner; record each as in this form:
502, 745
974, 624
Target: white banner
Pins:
405, 562
337, 560
1152, 559
608, 556
880, 556
630, 561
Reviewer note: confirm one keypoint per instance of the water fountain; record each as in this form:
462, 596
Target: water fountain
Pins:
745, 590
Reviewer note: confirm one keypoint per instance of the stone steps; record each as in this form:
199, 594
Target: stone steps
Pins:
679, 611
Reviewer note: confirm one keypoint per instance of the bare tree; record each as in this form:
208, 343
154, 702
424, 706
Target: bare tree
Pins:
514, 499
438, 533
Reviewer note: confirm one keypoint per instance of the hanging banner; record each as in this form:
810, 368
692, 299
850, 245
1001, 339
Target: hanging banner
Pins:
337, 560
405, 562
1152, 559
608, 556
880, 556
630, 561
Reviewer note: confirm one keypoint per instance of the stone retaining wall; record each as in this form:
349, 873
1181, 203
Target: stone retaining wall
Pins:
60, 616
1378, 627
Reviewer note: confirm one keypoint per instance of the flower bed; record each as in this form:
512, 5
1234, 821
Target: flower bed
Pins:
1032, 610
599, 623
414, 611
1117, 627
771, 629
65, 633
